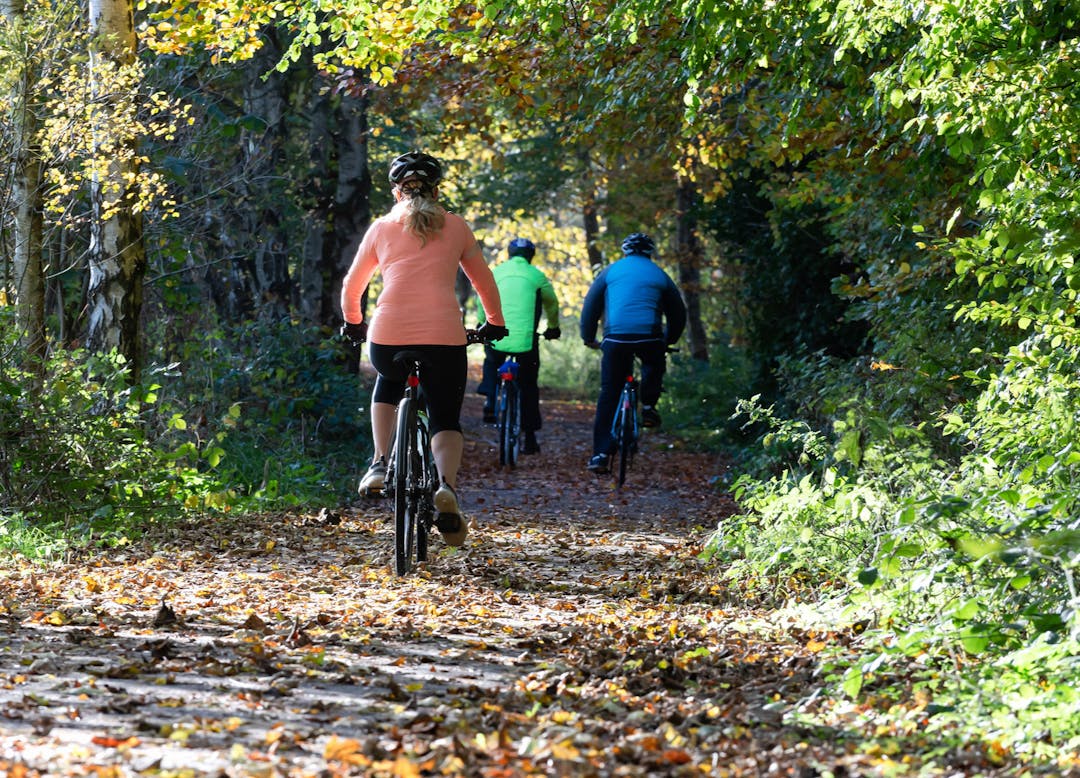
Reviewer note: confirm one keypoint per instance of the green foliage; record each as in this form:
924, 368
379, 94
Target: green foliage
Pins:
566, 365
783, 302
277, 402
268, 422
700, 399
974, 556
79, 457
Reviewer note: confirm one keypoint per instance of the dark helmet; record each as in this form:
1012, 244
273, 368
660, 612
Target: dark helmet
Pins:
638, 243
416, 164
521, 247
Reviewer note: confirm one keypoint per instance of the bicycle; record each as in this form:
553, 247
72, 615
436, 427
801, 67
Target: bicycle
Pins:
508, 412
626, 426
410, 472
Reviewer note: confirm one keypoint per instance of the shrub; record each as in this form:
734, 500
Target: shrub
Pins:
77, 453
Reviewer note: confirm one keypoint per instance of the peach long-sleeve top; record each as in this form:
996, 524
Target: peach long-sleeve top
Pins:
417, 305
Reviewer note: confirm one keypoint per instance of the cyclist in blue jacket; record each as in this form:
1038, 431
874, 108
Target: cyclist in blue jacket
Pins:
643, 314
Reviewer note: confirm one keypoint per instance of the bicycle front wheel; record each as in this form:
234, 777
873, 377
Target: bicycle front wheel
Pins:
404, 491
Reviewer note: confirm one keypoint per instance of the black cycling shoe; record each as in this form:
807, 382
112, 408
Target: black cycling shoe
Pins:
649, 417
598, 464
489, 416
529, 444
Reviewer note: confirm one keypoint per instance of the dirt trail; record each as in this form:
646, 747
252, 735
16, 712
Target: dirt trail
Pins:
576, 633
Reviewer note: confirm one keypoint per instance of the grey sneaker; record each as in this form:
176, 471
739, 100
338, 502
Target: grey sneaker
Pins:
374, 481
450, 523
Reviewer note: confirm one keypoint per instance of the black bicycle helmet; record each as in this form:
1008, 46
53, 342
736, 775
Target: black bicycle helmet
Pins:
521, 247
416, 164
638, 243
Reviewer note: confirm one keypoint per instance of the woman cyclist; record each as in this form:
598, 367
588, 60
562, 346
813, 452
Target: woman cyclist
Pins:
418, 247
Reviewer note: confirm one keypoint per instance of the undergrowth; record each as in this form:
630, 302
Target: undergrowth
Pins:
952, 549
266, 416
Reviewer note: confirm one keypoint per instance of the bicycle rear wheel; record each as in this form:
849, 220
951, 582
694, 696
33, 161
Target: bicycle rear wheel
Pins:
404, 479
426, 499
626, 433
509, 424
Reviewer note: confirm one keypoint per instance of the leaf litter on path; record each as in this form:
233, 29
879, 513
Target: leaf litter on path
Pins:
578, 632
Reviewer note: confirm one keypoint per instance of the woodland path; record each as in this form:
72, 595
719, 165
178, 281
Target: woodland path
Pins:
576, 633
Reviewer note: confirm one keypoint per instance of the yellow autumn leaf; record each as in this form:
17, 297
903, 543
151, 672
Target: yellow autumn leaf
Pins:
345, 750
403, 768
564, 750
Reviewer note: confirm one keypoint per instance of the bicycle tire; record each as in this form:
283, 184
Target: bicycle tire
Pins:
426, 503
509, 424
627, 413
404, 496
500, 421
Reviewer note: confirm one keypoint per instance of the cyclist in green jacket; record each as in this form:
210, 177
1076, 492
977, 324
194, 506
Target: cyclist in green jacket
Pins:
526, 293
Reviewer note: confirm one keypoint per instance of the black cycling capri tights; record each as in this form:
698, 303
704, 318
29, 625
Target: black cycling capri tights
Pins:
442, 379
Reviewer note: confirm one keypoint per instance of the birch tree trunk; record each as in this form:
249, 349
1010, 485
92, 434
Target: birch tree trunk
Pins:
117, 252
689, 257
27, 262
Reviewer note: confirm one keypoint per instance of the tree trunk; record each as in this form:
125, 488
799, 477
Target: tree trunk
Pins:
318, 231
590, 219
338, 216
117, 252
27, 260
352, 201
690, 257
265, 275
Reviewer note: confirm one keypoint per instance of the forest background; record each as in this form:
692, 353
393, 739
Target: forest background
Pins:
871, 209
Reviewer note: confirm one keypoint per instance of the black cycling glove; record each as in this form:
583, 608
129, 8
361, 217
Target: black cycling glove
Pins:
488, 332
354, 333
552, 333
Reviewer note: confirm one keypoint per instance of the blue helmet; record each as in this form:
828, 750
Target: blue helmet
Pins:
638, 243
521, 247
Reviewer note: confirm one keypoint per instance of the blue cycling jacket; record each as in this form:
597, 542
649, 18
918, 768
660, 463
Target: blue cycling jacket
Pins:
635, 297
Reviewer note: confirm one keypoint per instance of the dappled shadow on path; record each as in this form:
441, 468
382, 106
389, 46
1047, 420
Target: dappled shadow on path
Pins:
578, 632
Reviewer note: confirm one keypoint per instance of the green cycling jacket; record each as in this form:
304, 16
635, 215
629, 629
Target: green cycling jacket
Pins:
525, 292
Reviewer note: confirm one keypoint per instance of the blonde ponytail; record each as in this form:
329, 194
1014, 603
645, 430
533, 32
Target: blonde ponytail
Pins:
424, 218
